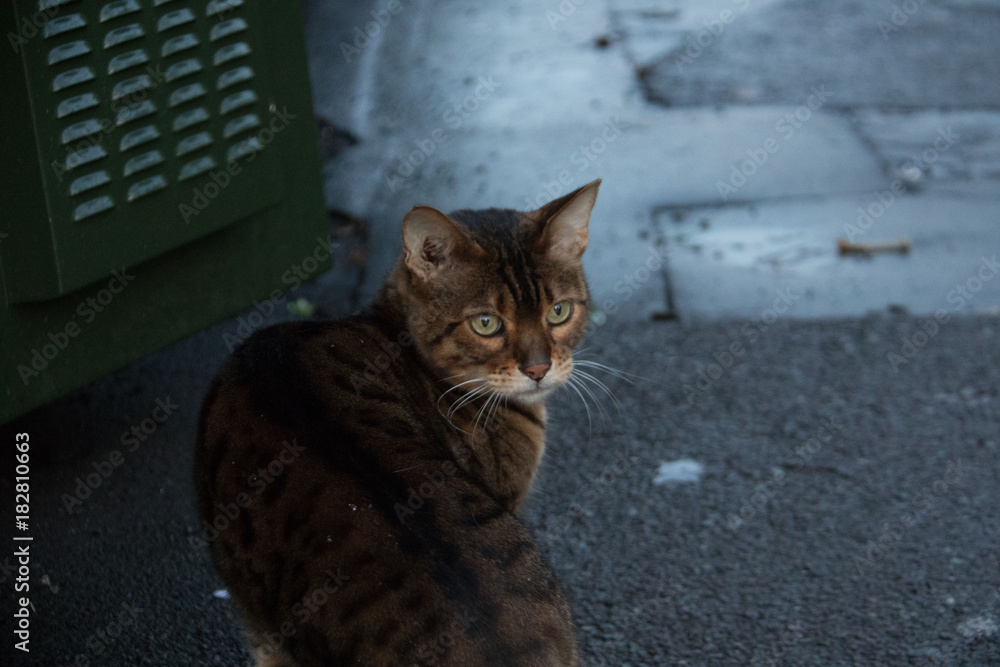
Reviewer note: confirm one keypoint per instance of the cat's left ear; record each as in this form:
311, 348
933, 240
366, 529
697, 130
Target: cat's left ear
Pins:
566, 222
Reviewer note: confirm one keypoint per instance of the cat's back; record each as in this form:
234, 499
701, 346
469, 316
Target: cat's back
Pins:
297, 373
320, 400
349, 532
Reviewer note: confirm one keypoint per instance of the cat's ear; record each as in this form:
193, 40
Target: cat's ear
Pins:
431, 241
565, 221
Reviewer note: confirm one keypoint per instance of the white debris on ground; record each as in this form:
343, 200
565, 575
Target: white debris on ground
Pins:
221, 594
978, 626
681, 470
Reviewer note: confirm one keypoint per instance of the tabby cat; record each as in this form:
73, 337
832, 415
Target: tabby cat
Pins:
358, 479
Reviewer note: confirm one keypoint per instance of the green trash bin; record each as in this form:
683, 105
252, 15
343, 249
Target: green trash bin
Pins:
160, 172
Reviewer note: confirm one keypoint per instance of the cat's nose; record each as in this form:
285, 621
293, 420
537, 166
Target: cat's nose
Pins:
536, 372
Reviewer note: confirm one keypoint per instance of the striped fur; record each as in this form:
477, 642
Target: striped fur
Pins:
358, 499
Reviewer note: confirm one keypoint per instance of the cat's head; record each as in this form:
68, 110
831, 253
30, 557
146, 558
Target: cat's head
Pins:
497, 298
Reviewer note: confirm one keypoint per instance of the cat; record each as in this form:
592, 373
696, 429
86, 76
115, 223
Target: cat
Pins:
359, 479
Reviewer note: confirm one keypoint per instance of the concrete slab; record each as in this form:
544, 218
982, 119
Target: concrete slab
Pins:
458, 146
652, 30
742, 261
870, 52
517, 103
949, 151
683, 157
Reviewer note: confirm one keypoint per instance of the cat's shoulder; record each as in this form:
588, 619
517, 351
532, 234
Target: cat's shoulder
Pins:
355, 355
278, 346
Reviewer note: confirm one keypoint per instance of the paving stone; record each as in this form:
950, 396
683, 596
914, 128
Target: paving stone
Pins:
953, 151
740, 261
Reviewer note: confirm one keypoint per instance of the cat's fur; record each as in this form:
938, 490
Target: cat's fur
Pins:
364, 523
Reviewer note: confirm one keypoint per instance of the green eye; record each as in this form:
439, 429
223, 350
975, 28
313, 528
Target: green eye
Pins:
560, 312
485, 324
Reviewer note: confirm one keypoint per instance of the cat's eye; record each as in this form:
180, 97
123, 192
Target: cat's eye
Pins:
485, 324
560, 312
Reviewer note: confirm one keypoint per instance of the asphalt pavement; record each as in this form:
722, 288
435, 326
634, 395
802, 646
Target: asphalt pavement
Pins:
836, 510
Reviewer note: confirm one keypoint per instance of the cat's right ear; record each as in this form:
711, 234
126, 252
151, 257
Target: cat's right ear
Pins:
431, 240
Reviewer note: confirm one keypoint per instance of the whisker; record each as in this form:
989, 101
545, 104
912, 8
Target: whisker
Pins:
586, 389
441, 397
491, 410
456, 376
461, 401
465, 399
494, 393
621, 375
571, 383
479, 414
596, 381
495, 411
476, 393
459, 385
603, 387
503, 400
